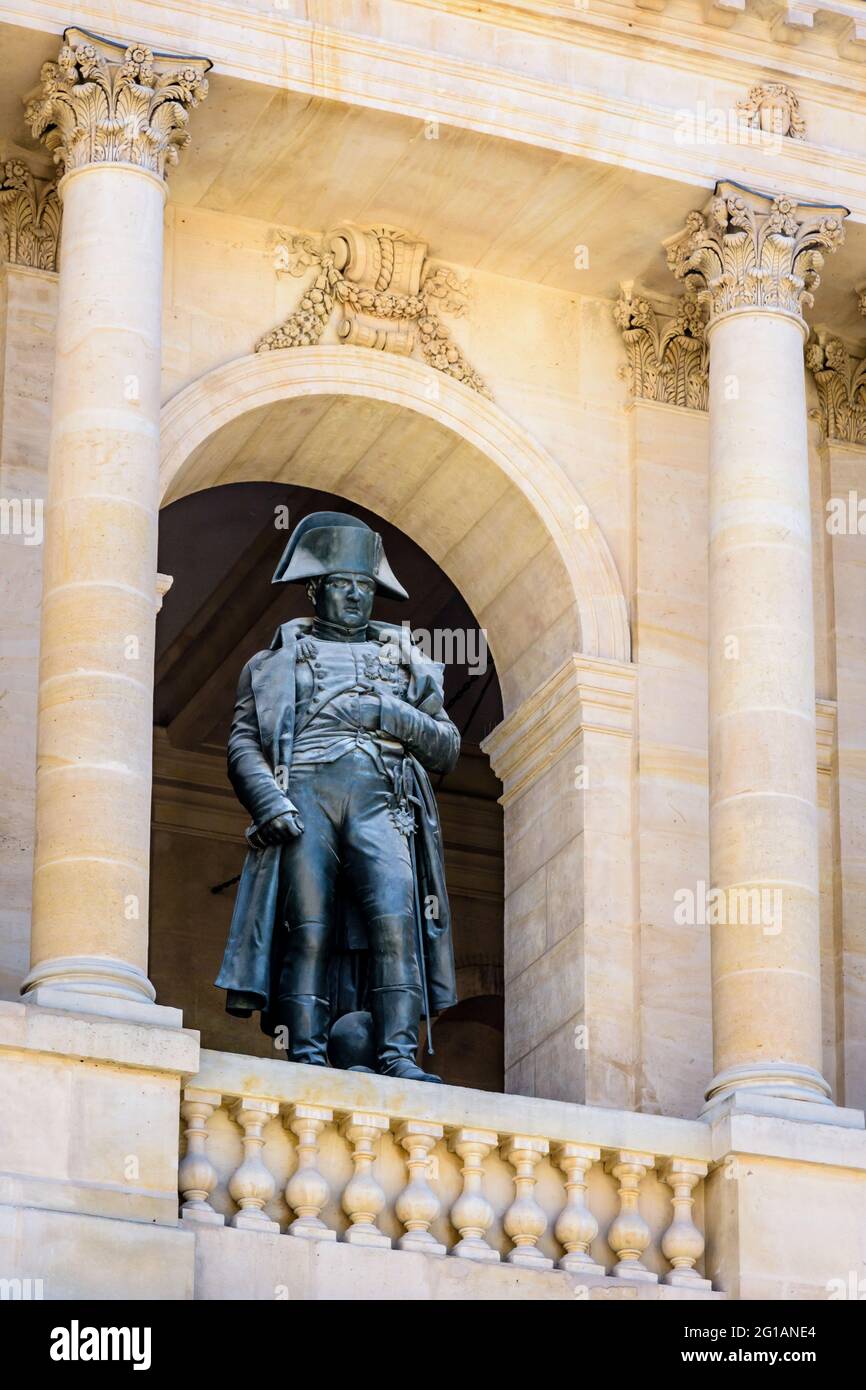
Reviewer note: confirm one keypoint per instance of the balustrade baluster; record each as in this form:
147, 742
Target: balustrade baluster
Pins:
576, 1227
472, 1214
196, 1175
363, 1198
629, 1234
307, 1190
525, 1221
682, 1242
252, 1184
418, 1205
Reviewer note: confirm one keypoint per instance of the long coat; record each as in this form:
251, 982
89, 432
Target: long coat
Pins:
260, 741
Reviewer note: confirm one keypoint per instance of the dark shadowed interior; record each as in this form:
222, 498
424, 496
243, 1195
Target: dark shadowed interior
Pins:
221, 547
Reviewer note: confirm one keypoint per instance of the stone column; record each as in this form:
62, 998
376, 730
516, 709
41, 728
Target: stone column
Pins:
114, 118
755, 259
29, 230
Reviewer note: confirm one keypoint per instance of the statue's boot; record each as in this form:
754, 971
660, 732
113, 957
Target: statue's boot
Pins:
307, 1017
396, 1018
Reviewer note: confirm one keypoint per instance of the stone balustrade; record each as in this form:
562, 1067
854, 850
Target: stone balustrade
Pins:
321, 1155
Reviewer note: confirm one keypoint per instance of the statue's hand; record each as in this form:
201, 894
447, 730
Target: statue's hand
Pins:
370, 707
281, 830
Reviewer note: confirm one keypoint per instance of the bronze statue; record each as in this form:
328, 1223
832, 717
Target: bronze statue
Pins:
341, 912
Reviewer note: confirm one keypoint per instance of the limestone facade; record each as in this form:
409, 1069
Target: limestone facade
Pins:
583, 322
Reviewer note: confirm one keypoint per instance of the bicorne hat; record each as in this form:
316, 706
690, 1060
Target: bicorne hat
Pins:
334, 543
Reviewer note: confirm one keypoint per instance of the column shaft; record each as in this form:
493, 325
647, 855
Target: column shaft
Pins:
99, 603
763, 781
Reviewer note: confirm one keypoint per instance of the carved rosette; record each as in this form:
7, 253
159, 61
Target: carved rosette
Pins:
386, 290
29, 218
840, 380
774, 109
751, 250
667, 359
103, 103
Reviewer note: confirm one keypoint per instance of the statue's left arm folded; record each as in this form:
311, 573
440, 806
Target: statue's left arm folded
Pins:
433, 740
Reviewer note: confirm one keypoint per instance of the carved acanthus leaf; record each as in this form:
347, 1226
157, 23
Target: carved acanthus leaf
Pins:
667, 359
29, 218
840, 380
773, 109
753, 250
102, 103
388, 293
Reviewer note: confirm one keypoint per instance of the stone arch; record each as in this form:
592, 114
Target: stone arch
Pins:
480, 495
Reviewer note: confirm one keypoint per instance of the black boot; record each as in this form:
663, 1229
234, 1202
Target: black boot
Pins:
396, 1017
306, 1017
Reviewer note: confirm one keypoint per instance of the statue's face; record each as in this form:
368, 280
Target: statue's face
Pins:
345, 599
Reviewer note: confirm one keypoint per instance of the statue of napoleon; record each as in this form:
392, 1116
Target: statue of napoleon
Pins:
341, 929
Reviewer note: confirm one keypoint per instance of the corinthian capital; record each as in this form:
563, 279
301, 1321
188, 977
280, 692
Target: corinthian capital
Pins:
751, 250
29, 218
103, 103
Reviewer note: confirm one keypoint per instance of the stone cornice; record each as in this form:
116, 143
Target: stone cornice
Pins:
379, 72
586, 695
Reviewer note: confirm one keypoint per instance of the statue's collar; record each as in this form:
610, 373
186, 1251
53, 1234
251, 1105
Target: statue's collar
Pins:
296, 628
333, 632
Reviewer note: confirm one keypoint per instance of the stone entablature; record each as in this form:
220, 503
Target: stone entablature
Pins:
788, 21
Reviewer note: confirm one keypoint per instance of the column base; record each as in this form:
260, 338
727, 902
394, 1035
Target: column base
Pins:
784, 1080
106, 1005
97, 985
780, 1107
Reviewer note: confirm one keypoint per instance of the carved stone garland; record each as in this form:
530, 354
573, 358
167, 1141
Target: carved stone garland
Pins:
29, 218
665, 363
387, 292
95, 109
